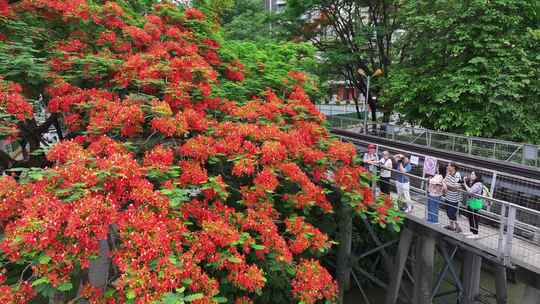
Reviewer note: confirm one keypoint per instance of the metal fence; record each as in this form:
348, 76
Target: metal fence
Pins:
507, 151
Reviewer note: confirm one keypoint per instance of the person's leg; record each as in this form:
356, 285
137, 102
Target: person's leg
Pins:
456, 223
470, 216
435, 212
451, 212
399, 190
407, 195
385, 185
476, 218
433, 209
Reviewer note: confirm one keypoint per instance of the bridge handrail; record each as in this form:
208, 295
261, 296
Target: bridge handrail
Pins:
506, 221
463, 192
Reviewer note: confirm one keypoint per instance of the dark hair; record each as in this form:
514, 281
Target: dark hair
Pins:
453, 165
477, 179
442, 170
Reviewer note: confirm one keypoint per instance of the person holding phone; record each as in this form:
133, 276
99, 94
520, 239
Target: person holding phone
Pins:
402, 181
473, 184
453, 184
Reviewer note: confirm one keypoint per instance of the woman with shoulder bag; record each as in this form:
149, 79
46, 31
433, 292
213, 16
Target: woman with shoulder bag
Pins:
474, 186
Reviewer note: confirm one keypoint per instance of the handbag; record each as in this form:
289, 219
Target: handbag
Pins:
475, 203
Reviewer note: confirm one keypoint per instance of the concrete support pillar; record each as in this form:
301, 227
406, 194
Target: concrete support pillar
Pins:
472, 267
501, 284
405, 241
531, 294
423, 270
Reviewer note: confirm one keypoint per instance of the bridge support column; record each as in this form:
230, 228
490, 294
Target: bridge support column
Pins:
423, 270
501, 284
472, 268
405, 241
531, 294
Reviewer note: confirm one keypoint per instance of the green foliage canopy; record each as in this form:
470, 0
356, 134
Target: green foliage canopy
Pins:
471, 67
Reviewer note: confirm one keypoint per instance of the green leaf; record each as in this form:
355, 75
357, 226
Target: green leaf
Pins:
257, 247
130, 295
193, 297
40, 281
44, 259
234, 259
65, 286
220, 299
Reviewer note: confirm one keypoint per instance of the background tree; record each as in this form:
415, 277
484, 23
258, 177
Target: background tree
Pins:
350, 35
470, 67
247, 20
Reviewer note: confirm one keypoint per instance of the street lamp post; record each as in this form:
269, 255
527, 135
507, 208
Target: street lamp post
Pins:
378, 72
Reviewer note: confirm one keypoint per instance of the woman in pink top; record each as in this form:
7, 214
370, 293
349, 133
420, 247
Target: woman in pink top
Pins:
436, 188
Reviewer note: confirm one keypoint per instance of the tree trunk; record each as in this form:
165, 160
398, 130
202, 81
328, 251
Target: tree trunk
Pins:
98, 273
343, 271
57, 298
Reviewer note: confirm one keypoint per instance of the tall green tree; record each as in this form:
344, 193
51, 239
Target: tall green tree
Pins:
471, 67
247, 20
350, 35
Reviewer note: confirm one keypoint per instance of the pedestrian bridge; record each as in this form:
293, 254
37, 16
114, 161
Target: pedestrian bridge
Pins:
509, 236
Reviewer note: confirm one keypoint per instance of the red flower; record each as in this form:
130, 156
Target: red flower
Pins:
193, 13
313, 283
266, 180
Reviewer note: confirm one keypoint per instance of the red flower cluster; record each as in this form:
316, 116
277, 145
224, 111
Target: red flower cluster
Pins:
12, 101
313, 283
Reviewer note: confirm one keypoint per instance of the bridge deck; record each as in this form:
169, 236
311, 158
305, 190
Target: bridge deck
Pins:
524, 253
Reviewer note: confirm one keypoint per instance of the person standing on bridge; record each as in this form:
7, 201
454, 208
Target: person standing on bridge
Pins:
436, 189
474, 186
402, 181
453, 182
386, 166
371, 159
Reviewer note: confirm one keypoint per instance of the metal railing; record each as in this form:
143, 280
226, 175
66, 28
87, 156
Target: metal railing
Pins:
500, 231
507, 151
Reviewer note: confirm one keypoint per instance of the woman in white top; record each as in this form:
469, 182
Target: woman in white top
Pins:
384, 182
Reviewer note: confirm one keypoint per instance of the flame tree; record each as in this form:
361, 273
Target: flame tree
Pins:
161, 190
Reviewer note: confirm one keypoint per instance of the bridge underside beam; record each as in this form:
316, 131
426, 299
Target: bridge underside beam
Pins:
501, 284
405, 241
423, 270
472, 269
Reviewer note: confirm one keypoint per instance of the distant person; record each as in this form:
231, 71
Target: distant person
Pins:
453, 183
371, 159
436, 188
403, 186
473, 184
384, 182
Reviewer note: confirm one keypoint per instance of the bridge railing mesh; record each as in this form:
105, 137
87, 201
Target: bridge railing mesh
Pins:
507, 151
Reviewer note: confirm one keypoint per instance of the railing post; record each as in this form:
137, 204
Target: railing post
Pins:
502, 228
427, 202
509, 234
470, 146
492, 188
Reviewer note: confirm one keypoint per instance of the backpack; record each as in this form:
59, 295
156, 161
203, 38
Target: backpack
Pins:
485, 191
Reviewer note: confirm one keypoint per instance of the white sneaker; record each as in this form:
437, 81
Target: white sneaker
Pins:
467, 234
